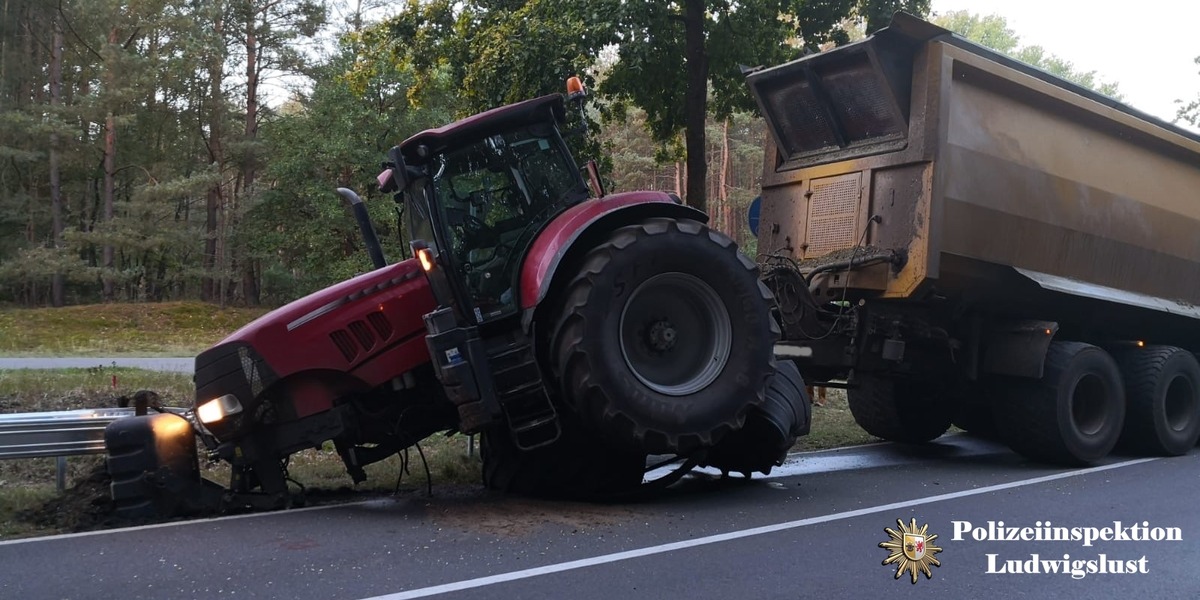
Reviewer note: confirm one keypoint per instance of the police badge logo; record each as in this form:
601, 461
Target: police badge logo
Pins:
914, 546
911, 549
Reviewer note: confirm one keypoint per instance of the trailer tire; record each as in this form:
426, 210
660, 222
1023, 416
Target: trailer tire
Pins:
1073, 415
1162, 391
664, 338
898, 409
138, 448
576, 467
770, 430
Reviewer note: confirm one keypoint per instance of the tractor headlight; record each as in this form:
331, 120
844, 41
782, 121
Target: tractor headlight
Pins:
219, 408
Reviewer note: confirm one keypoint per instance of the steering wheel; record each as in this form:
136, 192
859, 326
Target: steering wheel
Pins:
470, 224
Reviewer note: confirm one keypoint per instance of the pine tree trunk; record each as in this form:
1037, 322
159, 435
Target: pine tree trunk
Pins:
56, 202
723, 183
4, 41
695, 102
212, 207
110, 173
250, 291
249, 167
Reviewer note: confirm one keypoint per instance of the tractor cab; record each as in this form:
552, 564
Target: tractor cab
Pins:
477, 193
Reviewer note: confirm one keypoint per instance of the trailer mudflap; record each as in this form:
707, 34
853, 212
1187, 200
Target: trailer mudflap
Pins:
1018, 348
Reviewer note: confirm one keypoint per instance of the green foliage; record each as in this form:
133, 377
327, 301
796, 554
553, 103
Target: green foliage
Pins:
336, 136
1189, 112
993, 31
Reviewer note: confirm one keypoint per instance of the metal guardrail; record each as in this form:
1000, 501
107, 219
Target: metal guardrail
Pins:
59, 434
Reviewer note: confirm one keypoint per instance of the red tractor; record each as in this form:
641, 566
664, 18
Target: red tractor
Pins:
578, 334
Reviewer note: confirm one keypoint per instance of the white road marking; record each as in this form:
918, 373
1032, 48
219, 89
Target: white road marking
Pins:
735, 535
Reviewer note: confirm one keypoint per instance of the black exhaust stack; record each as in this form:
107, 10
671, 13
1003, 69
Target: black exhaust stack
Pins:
364, 226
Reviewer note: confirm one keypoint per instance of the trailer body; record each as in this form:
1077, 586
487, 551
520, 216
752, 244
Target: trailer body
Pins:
954, 212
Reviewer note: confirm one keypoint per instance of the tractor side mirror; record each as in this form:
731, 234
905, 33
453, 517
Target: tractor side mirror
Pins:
593, 173
394, 177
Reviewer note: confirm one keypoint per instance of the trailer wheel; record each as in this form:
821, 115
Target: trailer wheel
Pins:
899, 410
1073, 415
136, 449
577, 466
664, 338
1162, 388
770, 430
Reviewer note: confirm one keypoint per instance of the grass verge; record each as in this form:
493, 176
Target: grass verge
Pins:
833, 426
151, 329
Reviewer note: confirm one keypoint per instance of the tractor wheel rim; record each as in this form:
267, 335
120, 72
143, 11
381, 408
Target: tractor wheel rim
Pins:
675, 334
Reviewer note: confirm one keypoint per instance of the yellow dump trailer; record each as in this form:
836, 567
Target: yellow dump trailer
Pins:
965, 238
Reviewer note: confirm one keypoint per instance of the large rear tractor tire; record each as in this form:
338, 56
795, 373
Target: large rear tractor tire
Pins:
770, 430
664, 338
899, 410
1073, 415
578, 466
1162, 388
141, 453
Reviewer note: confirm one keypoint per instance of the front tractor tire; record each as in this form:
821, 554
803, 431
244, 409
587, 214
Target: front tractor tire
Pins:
770, 430
148, 457
664, 340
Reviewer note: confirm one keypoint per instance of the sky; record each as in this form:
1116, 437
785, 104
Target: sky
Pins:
1147, 47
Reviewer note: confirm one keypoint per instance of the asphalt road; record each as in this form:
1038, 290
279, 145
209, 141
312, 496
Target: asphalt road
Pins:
810, 531
180, 365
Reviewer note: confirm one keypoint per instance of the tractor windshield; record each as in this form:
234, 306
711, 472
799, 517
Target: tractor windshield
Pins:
494, 196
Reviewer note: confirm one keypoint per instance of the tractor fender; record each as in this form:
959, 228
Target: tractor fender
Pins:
577, 229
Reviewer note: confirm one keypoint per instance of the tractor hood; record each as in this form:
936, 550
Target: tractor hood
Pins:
340, 328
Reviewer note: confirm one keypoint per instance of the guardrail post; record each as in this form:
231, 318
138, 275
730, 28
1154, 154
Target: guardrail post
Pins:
60, 475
